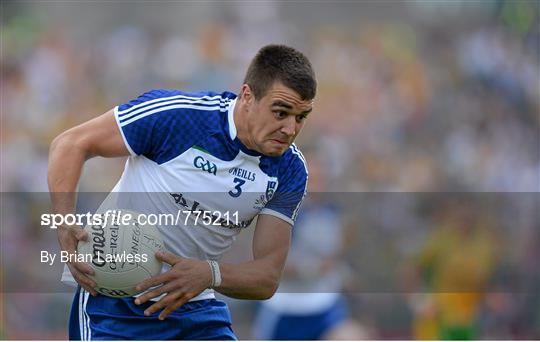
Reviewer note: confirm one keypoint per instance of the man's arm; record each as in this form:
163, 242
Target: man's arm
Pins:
256, 279
68, 152
259, 278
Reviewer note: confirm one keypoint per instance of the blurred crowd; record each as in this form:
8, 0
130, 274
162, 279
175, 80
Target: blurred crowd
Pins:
444, 99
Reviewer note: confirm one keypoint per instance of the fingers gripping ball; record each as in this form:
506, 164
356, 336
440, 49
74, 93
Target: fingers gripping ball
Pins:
123, 253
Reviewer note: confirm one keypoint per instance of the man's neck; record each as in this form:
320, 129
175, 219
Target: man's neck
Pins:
240, 123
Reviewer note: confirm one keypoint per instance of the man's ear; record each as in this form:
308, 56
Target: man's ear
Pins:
246, 94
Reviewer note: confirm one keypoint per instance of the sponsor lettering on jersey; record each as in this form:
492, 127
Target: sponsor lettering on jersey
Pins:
194, 206
245, 174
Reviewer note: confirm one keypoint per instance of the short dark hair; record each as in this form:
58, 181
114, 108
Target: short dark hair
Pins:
281, 63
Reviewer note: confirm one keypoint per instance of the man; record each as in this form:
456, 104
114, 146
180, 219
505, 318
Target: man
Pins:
184, 146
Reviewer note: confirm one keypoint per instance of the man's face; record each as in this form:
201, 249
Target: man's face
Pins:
274, 121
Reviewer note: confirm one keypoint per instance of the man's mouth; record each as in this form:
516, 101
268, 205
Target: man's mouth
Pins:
282, 142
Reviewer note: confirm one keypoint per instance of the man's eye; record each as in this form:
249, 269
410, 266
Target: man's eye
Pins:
300, 118
280, 114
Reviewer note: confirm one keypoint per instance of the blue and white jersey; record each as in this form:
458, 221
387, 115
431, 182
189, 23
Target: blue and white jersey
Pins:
185, 157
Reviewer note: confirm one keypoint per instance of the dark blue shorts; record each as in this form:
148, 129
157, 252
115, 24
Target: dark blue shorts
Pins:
107, 318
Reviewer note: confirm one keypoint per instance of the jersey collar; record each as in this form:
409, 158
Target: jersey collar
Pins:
232, 132
230, 114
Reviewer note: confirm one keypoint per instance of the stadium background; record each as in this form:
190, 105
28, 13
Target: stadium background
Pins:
414, 98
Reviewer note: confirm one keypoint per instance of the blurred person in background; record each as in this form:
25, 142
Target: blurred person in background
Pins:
309, 304
235, 148
455, 267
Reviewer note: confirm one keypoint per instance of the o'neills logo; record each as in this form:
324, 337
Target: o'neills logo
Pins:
98, 244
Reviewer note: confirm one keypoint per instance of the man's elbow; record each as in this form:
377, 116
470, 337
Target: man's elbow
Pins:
270, 287
267, 294
68, 141
62, 140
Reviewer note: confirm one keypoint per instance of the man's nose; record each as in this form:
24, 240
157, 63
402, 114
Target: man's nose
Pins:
289, 126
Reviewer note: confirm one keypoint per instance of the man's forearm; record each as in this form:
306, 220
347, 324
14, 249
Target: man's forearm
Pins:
257, 279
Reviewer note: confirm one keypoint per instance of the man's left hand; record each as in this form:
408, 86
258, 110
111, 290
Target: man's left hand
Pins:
185, 280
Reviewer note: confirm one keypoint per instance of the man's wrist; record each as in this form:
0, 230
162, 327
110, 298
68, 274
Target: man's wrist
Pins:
215, 272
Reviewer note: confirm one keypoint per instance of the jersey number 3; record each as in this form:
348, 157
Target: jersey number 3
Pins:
239, 182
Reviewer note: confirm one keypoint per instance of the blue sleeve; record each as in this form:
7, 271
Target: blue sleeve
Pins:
158, 126
291, 190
